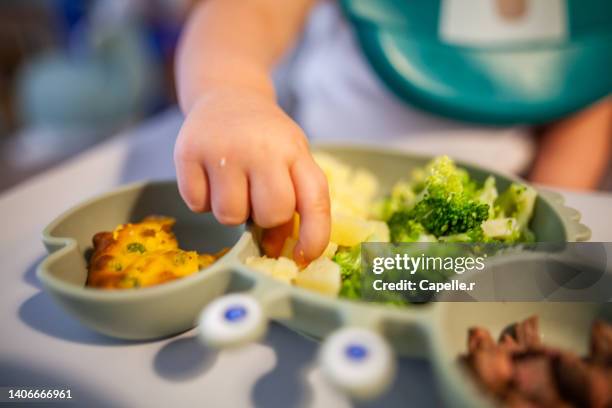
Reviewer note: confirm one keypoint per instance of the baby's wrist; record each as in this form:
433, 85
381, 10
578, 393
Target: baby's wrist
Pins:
213, 89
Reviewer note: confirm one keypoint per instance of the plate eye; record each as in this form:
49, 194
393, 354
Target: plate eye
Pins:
232, 320
356, 352
235, 313
357, 361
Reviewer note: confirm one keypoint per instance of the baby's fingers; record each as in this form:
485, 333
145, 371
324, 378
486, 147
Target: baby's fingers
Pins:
229, 194
272, 196
193, 185
312, 198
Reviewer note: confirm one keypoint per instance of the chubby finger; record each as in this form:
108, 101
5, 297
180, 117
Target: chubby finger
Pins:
312, 198
193, 185
272, 196
229, 194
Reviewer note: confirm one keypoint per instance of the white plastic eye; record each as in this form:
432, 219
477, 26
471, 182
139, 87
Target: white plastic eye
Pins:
231, 320
358, 362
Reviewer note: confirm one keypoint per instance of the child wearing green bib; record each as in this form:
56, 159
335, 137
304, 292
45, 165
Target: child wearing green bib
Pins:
441, 77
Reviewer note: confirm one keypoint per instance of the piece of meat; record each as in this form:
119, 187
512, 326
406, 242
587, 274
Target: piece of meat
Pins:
479, 339
601, 387
509, 344
538, 351
526, 333
522, 372
534, 379
515, 400
493, 367
601, 342
583, 384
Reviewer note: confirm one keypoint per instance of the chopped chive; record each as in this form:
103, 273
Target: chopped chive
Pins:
136, 247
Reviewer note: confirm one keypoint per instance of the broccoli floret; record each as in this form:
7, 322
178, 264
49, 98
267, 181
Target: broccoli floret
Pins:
516, 206
442, 218
463, 237
488, 194
442, 202
445, 215
403, 228
349, 260
402, 197
440, 172
443, 175
503, 229
447, 205
417, 181
475, 235
517, 202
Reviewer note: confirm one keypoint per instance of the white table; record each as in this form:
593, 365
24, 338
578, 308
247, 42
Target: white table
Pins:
40, 344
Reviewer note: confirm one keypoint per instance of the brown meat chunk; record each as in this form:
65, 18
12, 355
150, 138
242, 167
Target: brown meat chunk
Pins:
601, 342
526, 333
539, 351
522, 372
509, 344
535, 380
584, 385
479, 339
516, 400
493, 367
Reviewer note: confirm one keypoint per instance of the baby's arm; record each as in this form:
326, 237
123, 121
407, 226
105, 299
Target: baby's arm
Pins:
575, 151
238, 153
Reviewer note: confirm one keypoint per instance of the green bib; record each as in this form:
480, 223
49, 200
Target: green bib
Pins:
537, 67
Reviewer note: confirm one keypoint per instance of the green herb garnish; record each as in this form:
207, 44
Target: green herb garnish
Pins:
136, 247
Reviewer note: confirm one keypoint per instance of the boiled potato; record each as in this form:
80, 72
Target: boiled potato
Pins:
322, 275
283, 269
350, 231
381, 232
351, 191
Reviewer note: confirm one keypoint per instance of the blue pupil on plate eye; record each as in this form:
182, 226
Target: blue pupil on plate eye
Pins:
235, 313
356, 352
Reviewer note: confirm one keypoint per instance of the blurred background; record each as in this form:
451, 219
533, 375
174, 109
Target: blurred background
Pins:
73, 72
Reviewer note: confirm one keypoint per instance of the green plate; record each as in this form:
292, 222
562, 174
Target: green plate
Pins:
173, 307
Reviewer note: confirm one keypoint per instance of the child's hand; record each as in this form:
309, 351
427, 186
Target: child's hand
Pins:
238, 153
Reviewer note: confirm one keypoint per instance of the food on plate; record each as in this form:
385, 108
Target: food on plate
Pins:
442, 203
438, 203
142, 254
519, 370
353, 193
